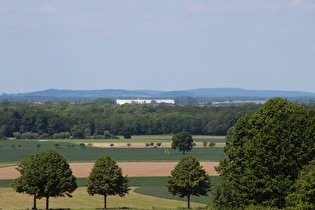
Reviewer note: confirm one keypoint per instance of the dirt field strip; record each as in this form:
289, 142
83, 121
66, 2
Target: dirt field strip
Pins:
132, 169
142, 145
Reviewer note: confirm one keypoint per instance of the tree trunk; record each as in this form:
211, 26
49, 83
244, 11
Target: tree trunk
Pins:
105, 196
188, 198
34, 206
47, 202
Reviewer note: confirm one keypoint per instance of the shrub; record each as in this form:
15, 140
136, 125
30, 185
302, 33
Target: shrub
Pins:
107, 135
29, 135
17, 135
211, 144
43, 136
205, 144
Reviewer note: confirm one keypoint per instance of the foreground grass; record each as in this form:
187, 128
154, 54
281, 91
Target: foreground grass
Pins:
81, 200
152, 186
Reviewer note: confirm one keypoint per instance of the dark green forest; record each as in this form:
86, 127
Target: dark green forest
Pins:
92, 119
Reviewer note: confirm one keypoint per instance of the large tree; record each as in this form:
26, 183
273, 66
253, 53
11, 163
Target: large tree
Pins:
189, 178
46, 174
303, 190
183, 141
106, 179
265, 152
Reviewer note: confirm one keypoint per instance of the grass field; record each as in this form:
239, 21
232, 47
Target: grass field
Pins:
119, 154
77, 154
151, 186
81, 200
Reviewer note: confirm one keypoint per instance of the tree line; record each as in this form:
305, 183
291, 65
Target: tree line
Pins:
93, 119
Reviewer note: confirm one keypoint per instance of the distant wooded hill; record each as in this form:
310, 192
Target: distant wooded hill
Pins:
202, 92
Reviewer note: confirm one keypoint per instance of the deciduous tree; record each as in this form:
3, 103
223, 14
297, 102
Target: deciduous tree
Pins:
106, 179
189, 178
303, 190
183, 141
46, 174
265, 152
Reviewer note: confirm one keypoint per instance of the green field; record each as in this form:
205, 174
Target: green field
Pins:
74, 153
119, 154
81, 200
152, 186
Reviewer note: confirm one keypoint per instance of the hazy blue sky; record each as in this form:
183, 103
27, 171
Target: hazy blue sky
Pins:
157, 44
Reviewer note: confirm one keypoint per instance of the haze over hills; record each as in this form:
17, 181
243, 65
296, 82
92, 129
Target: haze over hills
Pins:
202, 92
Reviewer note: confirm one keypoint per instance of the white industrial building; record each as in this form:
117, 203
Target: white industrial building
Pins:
144, 101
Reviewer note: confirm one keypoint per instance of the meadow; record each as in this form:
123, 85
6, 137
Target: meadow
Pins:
14, 151
150, 192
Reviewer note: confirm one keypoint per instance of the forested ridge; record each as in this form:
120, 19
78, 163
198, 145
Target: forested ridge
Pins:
92, 119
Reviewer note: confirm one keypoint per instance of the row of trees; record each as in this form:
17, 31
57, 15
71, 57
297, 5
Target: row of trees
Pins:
47, 174
91, 119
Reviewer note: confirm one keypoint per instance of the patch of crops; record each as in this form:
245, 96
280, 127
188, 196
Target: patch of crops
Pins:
5, 183
156, 186
77, 154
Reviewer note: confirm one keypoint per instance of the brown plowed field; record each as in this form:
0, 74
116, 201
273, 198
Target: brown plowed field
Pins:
132, 169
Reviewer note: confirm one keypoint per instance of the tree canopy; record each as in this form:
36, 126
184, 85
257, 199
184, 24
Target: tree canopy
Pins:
303, 190
183, 141
135, 119
265, 152
106, 179
189, 178
46, 174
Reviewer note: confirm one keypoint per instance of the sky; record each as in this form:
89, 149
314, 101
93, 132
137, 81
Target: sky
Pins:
157, 45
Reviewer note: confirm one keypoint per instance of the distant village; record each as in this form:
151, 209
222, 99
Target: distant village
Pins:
171, 102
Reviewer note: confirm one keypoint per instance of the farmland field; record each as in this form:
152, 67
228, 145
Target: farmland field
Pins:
119, 154
17, 150
81, 200
13, 151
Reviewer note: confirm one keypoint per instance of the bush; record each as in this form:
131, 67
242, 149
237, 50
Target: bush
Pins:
29, 135
43, 136
211, 144
205, 144
127, 135
107, 135
99, 137
17, 135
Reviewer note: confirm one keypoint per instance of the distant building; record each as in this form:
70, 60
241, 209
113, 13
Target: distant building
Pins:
144, 101
237, 102
38, 102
